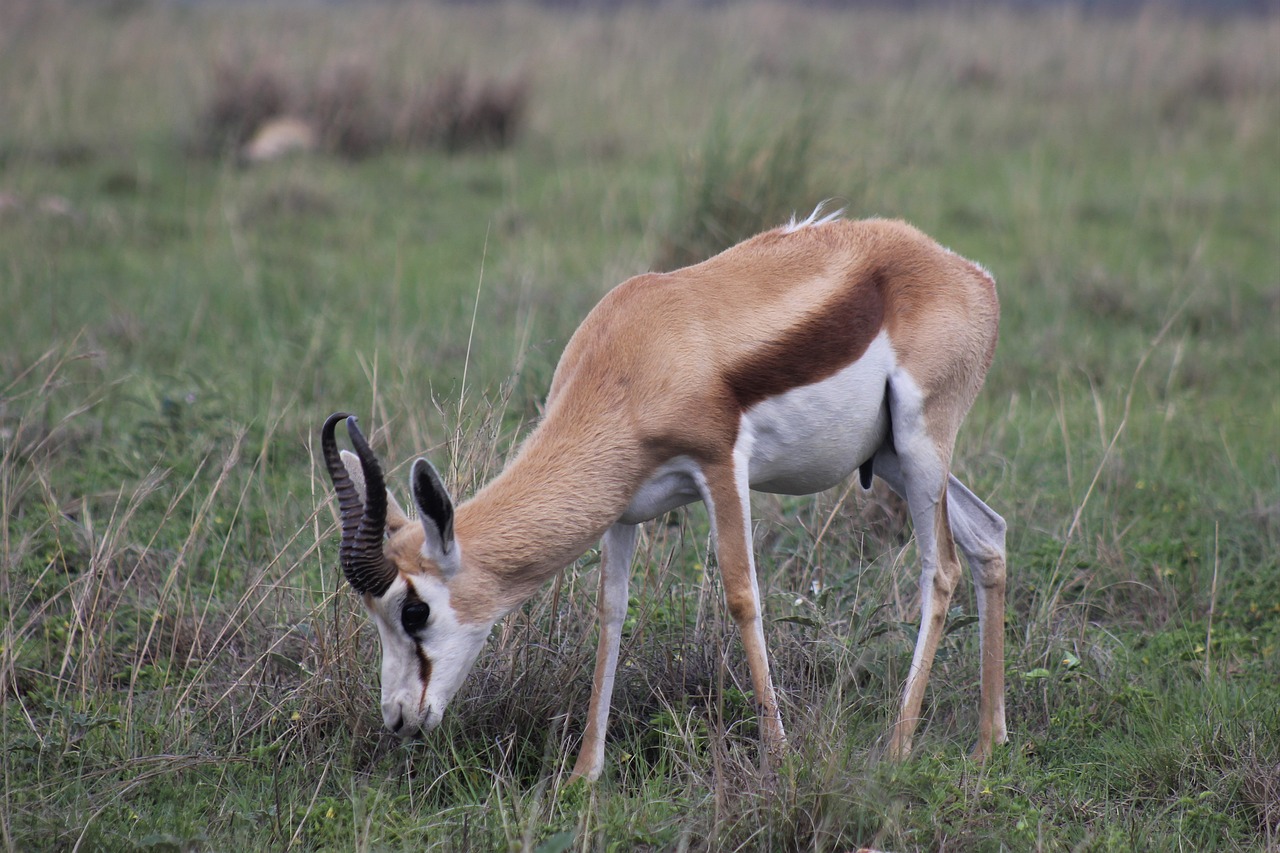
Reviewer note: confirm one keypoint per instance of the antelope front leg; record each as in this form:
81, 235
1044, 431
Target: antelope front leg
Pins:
618, 546
729, 505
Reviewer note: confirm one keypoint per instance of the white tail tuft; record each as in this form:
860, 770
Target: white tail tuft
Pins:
815, 218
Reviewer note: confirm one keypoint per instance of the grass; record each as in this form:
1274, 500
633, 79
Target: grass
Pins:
181, 666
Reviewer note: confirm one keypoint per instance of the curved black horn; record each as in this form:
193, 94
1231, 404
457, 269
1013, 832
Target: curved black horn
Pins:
363, 527
348, 499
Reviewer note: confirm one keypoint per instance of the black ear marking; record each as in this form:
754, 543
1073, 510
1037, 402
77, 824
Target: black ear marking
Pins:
433, 501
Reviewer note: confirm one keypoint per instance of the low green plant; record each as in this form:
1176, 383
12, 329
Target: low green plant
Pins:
740, 185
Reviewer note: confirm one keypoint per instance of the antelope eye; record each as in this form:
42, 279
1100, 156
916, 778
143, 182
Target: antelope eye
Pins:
414, 616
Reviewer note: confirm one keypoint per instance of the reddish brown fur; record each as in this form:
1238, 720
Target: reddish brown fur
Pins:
665, 364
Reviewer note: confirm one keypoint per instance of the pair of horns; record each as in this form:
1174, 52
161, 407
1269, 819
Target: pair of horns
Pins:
363, 524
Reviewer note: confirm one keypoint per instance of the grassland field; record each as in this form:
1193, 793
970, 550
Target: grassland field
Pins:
182, 666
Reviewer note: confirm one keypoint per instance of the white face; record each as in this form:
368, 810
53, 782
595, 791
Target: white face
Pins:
426, 652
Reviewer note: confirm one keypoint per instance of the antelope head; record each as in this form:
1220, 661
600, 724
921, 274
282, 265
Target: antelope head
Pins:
404, 570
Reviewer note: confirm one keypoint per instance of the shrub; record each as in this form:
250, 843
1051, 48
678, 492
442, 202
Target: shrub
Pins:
734, 190
244, 96
351, 115
456, 115
348, 113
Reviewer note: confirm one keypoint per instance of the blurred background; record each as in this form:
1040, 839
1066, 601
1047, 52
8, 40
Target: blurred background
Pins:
221, 221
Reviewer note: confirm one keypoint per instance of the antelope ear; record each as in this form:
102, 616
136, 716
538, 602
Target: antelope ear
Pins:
396, 516
435, 508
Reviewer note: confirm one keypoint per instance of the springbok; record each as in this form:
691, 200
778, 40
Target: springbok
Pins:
780, 365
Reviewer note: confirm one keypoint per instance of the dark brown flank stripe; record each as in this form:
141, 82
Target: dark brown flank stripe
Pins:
815, 348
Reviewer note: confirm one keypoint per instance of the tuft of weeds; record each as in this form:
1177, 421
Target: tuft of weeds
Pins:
1260, 791
735, 189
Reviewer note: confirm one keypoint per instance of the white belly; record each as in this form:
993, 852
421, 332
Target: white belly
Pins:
797, 443
811, 438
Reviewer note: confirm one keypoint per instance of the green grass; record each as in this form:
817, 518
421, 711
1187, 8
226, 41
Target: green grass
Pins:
181, 666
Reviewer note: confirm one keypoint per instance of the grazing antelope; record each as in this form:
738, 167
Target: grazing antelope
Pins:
780, 365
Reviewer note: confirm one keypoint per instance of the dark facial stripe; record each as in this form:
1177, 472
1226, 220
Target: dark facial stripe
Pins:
424, 662
815, 348
424, 671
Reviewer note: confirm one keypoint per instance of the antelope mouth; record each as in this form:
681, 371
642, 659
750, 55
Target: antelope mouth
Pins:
431, 719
